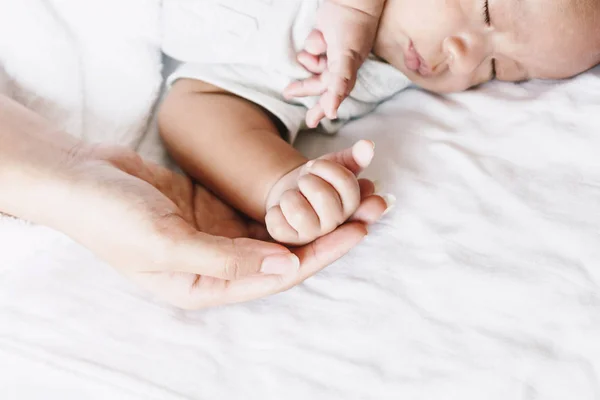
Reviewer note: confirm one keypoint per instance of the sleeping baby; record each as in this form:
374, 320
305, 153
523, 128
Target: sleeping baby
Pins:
249, 80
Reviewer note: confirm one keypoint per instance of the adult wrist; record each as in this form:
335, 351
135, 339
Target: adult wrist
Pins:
34, 157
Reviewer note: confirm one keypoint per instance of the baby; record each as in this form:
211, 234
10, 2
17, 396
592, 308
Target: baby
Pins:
249, 80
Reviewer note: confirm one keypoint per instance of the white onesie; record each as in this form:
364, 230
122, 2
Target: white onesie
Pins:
249, 47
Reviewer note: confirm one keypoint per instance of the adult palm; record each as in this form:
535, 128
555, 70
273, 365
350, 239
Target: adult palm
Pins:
181, 242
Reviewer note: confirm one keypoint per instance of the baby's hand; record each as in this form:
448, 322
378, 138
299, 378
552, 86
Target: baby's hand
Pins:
334, 51
317, 197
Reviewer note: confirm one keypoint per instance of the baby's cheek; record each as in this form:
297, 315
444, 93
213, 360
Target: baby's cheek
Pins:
509, 71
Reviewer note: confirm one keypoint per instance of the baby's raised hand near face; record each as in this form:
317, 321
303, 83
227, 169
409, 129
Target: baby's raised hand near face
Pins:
319, 196
334, 51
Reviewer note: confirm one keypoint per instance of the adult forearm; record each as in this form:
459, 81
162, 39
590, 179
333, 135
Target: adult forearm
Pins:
33, 156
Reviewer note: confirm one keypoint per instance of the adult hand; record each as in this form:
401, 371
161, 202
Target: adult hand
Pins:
155, 226
182, 243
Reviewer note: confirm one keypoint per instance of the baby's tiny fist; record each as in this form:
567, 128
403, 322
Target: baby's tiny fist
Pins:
319, 196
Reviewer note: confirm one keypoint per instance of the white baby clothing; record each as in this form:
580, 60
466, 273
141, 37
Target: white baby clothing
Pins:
249, 48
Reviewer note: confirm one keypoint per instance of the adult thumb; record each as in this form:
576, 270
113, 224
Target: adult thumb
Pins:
355, 158
231, 259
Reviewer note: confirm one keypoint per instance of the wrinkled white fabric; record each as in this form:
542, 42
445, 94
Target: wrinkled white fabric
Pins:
249, 48
91, 66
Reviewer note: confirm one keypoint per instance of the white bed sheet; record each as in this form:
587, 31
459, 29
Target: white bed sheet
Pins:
481, 284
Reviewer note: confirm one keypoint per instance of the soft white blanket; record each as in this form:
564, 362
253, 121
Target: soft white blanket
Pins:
483, 283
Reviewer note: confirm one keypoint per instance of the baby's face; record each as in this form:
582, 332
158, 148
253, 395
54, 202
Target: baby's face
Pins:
451, 45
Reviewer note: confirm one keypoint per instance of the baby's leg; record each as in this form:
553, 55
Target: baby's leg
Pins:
233, 147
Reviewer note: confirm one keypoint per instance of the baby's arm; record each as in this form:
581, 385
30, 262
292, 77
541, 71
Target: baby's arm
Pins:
227, 143
334, 52
233, 146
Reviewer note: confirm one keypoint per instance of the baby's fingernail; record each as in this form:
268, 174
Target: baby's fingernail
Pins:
310, 164
281, 264
390, 201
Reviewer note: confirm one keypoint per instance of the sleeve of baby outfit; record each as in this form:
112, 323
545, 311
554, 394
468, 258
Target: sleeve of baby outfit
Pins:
251, 83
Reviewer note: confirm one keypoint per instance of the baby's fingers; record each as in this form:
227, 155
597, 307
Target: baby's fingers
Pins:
341, 80
313, 86
315, 43
330, 102
300, 215
324, 200
344, 66
278, 226
341, 179
314, 64
314, 116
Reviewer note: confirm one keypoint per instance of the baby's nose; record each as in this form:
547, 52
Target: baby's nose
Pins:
465, 55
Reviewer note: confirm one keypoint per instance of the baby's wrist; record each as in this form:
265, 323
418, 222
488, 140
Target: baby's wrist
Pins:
285, 182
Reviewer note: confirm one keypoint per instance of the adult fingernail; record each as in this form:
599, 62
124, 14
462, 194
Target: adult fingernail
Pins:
370, 143
281, 264
363, 152
390, 201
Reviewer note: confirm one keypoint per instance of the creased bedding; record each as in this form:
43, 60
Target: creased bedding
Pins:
481, 284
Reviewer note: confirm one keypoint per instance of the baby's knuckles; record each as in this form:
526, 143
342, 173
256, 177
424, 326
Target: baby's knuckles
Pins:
300, 214
339, 176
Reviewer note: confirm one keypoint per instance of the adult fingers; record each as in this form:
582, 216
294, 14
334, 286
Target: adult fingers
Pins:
355, 158
187, 250
367, 188
371, 209
313, 258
